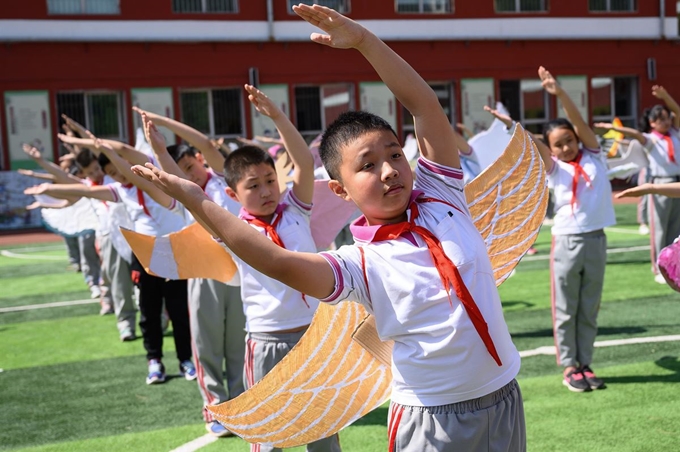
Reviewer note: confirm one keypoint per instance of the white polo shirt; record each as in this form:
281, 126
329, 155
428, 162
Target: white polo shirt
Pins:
101, 208
439, 357
147, 215
215, 188
594, 208
657, 153
270, 305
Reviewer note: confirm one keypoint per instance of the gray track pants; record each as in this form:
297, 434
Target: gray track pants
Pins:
664, 219
577, 273
90, 262
116, 277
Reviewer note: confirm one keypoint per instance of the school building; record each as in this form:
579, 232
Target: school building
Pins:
95, 59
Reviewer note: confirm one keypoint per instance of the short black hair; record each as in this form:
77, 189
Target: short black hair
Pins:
85, 158
349, 126
558, 123
103, 161
177, 151
238, 161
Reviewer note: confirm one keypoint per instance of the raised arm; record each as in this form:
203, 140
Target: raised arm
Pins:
290, 267
584, 132
43, 176
160, 151
627, 131
123, 167
69, 191
660, 93
671, 190
433, 130
296, 146
60, 176
192, 136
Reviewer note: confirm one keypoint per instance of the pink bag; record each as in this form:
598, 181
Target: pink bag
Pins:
669, 265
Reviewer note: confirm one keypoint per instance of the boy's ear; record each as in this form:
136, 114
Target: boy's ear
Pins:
337, 188
232, 194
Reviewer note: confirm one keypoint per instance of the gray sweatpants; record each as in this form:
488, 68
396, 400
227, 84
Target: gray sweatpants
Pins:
90, 263
218, 336
263, 352
73, 250
577, 276
492, 423
116, 277
664, 218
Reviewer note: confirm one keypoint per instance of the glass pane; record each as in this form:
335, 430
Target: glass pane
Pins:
104, 115
532, 5
408, 6
187, 6
622, 5
443, 93
436, 6
64, 7
597, 5
102, 7
506, 5
342, 6
227, 111
601, 91
624, 96
221, 6
73, 106
308, 108
533, 99
336, 100
194, 106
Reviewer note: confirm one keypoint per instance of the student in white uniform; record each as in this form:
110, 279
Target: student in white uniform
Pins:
419, 264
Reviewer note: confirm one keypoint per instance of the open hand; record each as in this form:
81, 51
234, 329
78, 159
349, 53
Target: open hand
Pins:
659, 92
173, 186
153, 136
640, 190
342, 32
31, 151
25, 172
548, 82
36, 189
505, 119
603, 125
262, 103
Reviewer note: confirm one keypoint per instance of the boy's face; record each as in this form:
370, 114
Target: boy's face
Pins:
376, 176
194, 168
563, 144
113, 173
258, 191
94, 172
663, 123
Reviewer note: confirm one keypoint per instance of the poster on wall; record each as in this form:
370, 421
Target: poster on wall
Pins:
13, 202
261, 124
154, 100
475, 94
376, 98
28, 121
576, 86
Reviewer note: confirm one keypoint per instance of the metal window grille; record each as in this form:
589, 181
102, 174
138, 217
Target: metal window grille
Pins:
341, 6
621, 94
205, 6
214, 112
519, 6
612, 5
424, 6
317, 106
83, 7
444, 94
100, 112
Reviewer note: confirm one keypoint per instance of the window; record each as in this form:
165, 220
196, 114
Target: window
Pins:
215, 112
612, 5
521, 6
444, 94
317, 106
341, 6
101, 112
614, 97
83, 6
424, 6
204, 6
526, 102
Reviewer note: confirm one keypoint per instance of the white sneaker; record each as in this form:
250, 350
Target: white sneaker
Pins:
95, 291
643, 229
660, 279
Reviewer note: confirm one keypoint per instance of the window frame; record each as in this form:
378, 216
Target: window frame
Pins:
211, 111
421, 9
632, 119
83, 10
408, 128
345, 11
609, 10
204, 9
121, 113
518, 10
311, 134
546, 106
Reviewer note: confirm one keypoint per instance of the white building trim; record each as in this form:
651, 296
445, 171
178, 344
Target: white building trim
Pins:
596, 28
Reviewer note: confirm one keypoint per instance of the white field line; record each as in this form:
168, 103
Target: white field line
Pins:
56, 304
542, 257
550, 349
623, 231
33, 256
33, 249
196, 444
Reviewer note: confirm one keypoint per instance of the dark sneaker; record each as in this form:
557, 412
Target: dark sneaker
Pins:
156, 372
575, 381
187, 369
591, 379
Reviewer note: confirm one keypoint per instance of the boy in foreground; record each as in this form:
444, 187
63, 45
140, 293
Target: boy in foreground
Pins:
419, 265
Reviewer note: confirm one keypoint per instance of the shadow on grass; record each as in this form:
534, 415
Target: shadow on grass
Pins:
602, 331
375, 417
516, 304
667, 362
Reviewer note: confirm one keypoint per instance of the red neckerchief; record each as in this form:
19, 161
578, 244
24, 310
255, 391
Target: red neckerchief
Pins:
140, 198
450, 277
206, 181
669, 145
270, 230
578, 173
